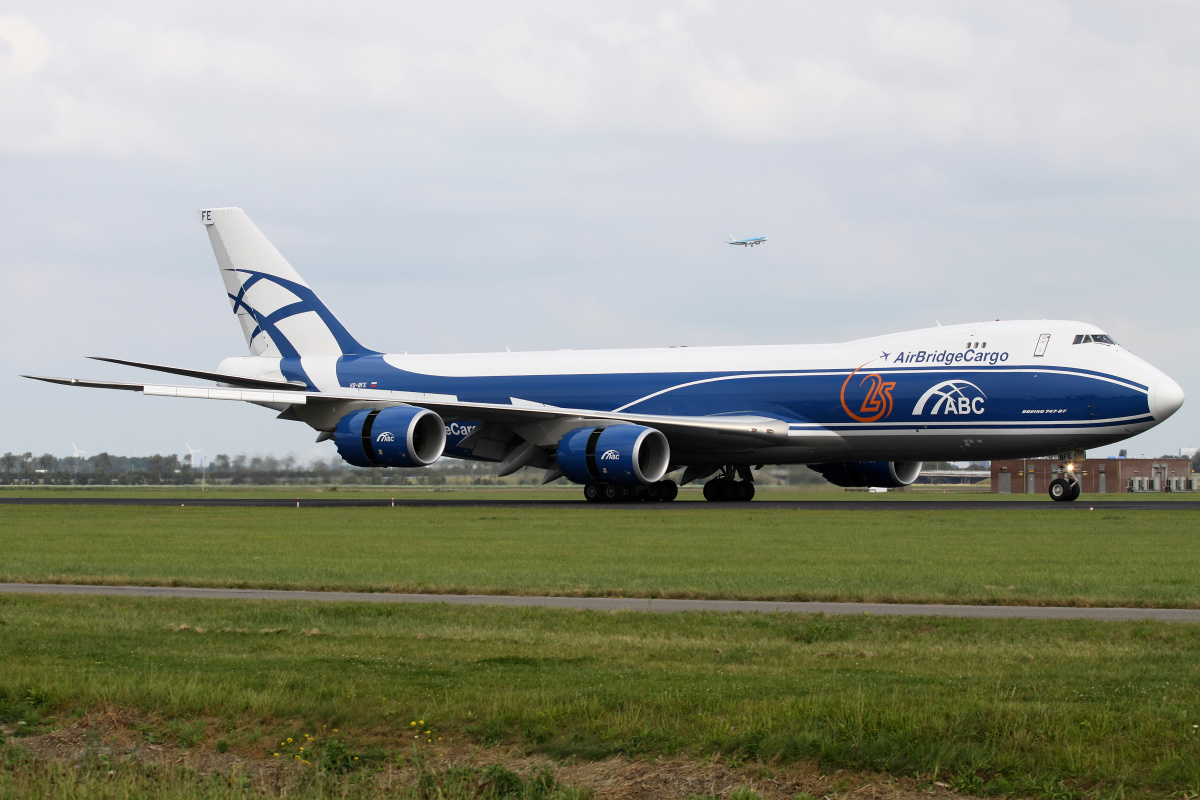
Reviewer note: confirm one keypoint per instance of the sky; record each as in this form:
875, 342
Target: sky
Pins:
468, 176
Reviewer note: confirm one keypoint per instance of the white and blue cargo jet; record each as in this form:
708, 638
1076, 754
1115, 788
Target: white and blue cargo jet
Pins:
757, 240
862, 413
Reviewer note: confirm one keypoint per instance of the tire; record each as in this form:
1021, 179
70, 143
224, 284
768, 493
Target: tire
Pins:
651, 493
731, 491
712, 491
627, 494
747, 491
1076, 490
1060, 490
670, 490
591, 493
612, 494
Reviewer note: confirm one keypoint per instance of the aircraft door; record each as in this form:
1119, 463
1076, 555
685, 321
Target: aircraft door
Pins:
1043, 342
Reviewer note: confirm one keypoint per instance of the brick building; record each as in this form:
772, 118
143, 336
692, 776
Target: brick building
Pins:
1098, 475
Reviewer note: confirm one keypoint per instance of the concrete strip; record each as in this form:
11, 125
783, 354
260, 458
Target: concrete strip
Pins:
626, 603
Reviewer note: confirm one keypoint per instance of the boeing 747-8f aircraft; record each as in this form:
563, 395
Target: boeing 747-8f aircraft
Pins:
862, 413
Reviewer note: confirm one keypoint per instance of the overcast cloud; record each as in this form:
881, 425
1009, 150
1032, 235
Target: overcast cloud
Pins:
470, 176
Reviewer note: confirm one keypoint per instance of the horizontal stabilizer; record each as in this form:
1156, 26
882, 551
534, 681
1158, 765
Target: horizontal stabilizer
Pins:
194, 392
219, 377
129, 387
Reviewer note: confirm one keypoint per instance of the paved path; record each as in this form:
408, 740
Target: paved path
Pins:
794, 505
625, 603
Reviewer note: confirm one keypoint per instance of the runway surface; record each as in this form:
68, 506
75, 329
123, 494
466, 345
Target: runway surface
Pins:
794, 505
626, 603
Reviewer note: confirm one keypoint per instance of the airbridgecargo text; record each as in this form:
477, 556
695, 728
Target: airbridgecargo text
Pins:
950, 357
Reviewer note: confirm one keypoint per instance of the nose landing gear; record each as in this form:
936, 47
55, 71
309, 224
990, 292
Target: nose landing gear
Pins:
1067, 486
1062, 489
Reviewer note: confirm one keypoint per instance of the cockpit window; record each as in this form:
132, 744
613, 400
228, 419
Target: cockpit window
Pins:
1097, 338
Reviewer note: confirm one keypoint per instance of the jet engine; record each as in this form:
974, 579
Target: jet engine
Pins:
625, 455
884, 474
397, 436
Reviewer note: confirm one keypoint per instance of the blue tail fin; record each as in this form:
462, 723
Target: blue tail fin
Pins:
280, 315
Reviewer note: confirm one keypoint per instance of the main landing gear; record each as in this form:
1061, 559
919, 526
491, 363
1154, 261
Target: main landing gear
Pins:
1067, 486
726, 488
661, 492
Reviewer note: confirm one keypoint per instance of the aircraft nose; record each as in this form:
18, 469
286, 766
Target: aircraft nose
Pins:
1165, 398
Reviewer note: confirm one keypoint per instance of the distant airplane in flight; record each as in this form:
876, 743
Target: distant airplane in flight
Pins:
747, 242
861, 413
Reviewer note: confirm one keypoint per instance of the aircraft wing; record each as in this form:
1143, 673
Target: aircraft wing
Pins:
541, 424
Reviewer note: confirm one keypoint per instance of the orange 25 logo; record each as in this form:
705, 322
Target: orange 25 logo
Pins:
877, 404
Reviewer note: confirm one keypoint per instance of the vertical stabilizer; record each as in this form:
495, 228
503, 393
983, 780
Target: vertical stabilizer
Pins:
280, 315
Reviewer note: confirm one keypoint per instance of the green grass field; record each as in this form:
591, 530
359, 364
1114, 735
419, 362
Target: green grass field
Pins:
1028, 708
992, 556
1046, 709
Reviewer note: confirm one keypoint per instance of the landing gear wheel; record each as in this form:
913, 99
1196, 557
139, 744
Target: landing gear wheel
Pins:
670, 490
1060, 490
1076, 489
591, 493
612, 494
725, 490
651, 493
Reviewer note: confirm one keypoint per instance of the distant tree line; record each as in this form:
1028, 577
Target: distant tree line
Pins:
243, 469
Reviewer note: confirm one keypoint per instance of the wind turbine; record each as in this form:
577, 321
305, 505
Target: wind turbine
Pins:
77, 454
192, 459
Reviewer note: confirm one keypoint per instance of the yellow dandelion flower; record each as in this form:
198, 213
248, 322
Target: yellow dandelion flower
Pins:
422, 722
412, 724
277, 755
356, 758
289, 740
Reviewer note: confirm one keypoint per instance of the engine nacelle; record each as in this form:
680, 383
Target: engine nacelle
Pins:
397, 436
625, 455
883, 474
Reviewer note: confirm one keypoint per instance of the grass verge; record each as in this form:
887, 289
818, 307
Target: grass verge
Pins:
985, 556
1033, 708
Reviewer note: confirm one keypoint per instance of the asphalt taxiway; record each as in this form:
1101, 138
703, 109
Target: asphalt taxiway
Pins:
625, 603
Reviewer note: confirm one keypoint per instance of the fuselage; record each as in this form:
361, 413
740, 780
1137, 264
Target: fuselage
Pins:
977, 391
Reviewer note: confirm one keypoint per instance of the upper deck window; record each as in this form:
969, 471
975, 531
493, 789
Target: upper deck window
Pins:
1097, 338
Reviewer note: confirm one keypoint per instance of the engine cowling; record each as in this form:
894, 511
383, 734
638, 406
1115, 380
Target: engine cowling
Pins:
625, 455
882, 474
397, 436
